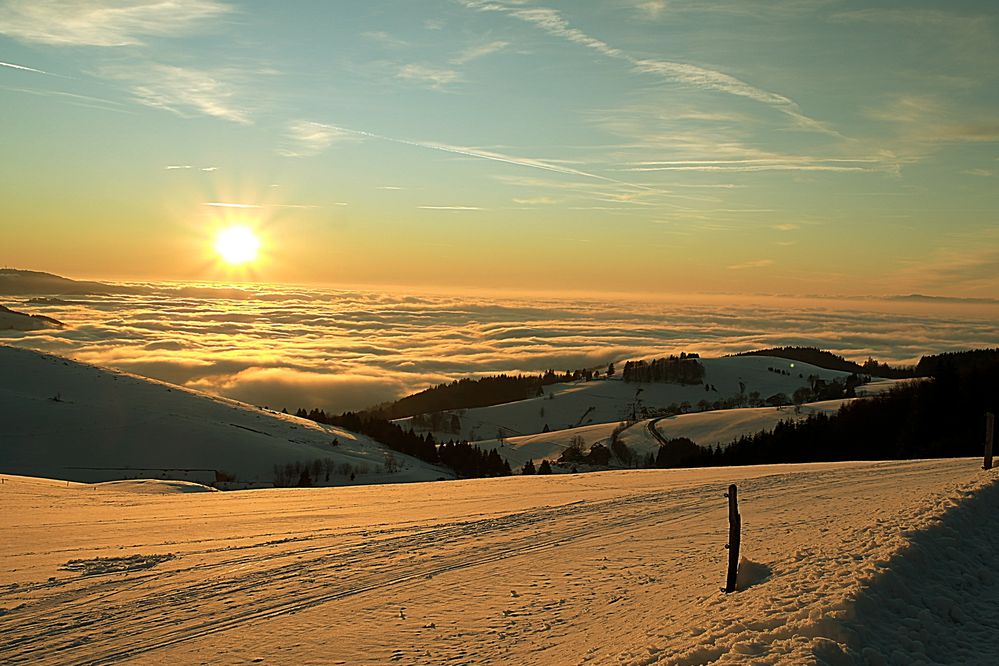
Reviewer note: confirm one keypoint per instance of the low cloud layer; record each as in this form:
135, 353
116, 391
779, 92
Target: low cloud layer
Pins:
293, 347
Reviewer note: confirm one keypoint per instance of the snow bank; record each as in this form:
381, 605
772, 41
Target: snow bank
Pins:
154, 487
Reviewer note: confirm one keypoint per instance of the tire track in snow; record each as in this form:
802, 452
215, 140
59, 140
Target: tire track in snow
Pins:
461, 534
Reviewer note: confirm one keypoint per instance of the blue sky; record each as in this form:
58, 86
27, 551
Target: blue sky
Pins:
809, 147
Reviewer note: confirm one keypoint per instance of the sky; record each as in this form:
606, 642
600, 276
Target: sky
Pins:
801, 147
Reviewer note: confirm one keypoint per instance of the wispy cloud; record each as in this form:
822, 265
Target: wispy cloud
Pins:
787, 226
757, 263
536, 201
385, 39
652, 8
223, 204
480, 51
22, 68
87, 101
436, 78
183, 167
304, 138
493, 156
552, 22
750, 165
184, 91
450, 207
103, 22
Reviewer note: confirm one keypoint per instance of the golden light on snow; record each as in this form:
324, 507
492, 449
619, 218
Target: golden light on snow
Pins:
237, 245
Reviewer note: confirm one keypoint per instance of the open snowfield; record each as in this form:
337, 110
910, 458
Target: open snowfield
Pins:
708, 428
611, 400
854, 562
70, 420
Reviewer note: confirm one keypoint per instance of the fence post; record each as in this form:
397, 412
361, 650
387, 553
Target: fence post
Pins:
989, 428
734, 537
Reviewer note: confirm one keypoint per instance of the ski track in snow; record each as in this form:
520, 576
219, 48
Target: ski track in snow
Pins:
617, 567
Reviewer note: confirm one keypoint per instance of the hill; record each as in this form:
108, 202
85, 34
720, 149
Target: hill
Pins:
830, 361
20, 282
73, 421
728, 381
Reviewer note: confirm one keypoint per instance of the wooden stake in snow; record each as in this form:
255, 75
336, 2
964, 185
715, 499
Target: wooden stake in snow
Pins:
734, 538
989, 427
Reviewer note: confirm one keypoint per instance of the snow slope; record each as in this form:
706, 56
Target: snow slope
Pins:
846, 563
611, 400
74, 421
708, 428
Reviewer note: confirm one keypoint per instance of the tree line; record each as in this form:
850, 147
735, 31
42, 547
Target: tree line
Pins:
824, 359
940, 417
465, 459
470, 392
682, 369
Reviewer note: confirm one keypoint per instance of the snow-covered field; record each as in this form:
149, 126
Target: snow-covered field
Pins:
705, 428
847, 563
611, 400
69, 420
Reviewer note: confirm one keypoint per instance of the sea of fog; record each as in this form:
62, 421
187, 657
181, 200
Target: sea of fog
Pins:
338, 349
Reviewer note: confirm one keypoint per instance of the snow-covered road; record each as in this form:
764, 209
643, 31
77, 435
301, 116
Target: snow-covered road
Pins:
621, 567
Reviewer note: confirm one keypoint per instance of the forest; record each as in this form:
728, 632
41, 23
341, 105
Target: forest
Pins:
942, 416
824, 359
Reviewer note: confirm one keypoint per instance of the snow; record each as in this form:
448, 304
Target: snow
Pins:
886, 562
610, 400
709, 428
74, 421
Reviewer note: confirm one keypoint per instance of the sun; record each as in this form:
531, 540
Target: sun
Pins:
237, 245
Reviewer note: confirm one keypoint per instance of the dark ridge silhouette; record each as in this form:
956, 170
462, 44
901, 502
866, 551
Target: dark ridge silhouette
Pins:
43, 318
478, 392
824, 359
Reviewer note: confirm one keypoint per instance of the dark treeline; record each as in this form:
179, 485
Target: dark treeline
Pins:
682, 369
478, 392
940, 417
824, 359
472, 462
465, 459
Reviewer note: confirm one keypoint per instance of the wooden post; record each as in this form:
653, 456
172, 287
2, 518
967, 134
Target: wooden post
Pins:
734, 537
989, 428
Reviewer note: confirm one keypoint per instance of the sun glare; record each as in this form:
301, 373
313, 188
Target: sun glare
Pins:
237, 245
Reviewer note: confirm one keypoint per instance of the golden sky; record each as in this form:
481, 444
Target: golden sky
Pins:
738, 146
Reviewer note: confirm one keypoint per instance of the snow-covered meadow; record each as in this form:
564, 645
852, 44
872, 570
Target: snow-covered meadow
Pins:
846, 563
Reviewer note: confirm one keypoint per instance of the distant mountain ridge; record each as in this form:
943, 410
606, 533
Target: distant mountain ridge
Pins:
22, 282
22, 321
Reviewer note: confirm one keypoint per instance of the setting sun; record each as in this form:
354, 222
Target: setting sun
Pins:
237, 245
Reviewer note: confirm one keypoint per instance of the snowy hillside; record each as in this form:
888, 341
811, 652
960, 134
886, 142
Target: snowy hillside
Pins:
612, 400
74, 421
846, 563
704, 428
